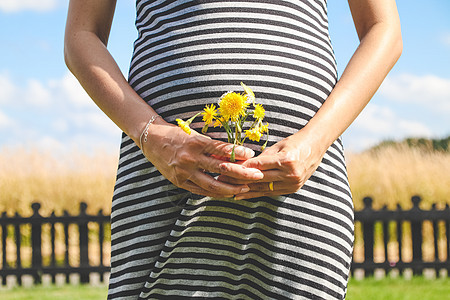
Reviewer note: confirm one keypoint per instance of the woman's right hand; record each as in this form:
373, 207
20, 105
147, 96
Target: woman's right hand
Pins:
183, 159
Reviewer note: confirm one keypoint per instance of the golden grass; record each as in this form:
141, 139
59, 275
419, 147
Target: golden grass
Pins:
391, 175
57, 182
394, 174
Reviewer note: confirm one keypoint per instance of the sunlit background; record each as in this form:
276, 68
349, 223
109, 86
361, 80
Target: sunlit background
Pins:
57, 148
43, 106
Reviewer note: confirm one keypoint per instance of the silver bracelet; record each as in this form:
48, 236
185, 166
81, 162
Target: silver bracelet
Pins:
145, 131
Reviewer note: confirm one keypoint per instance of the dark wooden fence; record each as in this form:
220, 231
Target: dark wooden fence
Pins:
67, 244
399, 239
413, 239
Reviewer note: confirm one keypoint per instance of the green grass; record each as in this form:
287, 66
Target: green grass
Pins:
417, 288
66, 292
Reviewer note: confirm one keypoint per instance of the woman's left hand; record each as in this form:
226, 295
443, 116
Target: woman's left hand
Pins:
286, 166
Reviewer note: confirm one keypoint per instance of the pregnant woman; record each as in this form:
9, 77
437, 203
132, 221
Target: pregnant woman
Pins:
187, 223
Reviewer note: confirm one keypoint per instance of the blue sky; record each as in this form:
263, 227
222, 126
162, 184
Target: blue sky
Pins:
42, 105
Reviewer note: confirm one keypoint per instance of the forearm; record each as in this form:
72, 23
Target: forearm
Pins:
376, 55
89, 60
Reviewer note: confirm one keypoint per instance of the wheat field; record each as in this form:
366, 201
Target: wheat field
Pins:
60, 182
392, 175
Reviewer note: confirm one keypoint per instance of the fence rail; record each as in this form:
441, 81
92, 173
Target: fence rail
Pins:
29, 245
399, 239
411, 233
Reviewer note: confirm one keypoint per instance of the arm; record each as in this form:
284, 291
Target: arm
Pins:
181, 158
293, 160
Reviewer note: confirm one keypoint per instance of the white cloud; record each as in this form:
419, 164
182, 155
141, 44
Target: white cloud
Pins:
37, 94
385, 122
5, 121
377, 123
60, 125
68, 88
445, 39
11, 6
50, 144
413, 129
30, 94
7, 89
62, 113
93, 119
431, 92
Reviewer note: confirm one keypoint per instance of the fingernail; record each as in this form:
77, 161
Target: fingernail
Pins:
249, 152
244, 151
245, 189
237, 198
223, 167
257, 174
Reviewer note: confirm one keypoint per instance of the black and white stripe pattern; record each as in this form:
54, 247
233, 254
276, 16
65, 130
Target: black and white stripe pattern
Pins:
168, 243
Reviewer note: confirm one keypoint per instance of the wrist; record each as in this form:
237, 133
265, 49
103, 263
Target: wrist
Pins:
141, 128
159, 133
317, 140
144, 135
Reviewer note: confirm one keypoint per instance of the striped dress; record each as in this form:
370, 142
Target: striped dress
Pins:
168, 243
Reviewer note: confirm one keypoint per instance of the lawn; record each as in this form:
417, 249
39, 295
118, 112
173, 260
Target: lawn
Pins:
368, 289
66, 292
418, 288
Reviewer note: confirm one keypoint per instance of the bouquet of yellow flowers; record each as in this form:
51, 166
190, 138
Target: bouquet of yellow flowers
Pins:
232, 115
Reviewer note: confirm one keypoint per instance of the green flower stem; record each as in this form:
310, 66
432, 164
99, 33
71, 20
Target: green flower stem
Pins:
233, 157
237, 134
250, 128
267, 139
192, 119
228, 131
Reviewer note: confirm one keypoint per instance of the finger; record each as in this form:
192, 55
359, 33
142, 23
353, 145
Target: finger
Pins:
269, 175
231, 180
222, 149
195, 189
274, 186
240, 172
214, 186
215, 165
263, 162
227, 159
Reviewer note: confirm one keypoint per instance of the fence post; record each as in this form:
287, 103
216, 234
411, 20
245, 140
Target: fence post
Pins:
447, 236
416, 232
4, 235
386, 237
101, 237
435, 237
83, 232
18, 237
368, 231
66, 242
400, 236
36, 243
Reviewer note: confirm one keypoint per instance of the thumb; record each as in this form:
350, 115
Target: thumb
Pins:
222, 149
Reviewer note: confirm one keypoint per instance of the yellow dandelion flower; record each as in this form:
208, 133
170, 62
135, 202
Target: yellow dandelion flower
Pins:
184, 125
209, 114
232, 105
218, 122
259, 112
249, 92
264, 128
253, 134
